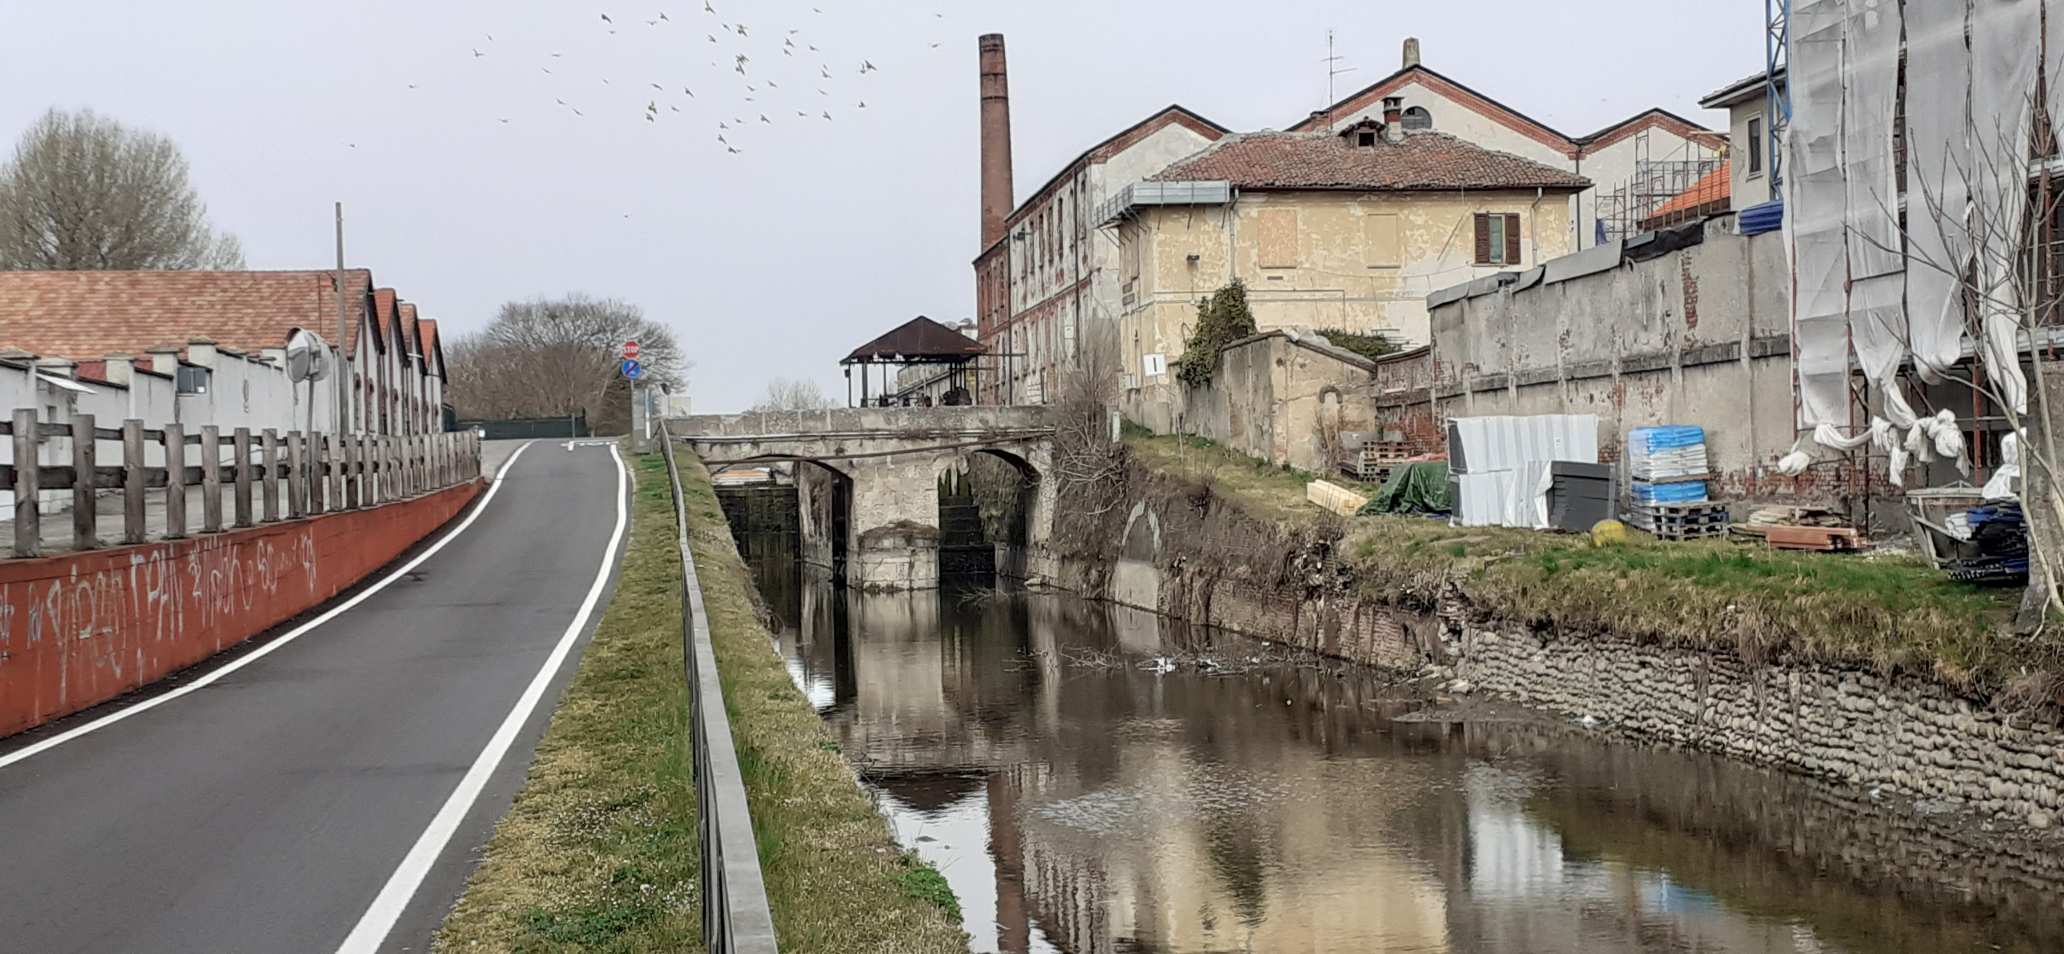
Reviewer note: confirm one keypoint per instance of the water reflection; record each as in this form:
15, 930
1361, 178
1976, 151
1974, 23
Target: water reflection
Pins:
1088, 808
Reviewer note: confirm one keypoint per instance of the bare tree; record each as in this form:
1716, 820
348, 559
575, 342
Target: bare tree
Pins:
557, 357
1987, 208
84, 192
793, 394
1088, 460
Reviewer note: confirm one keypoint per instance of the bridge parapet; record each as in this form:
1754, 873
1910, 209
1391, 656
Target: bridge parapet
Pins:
864, 421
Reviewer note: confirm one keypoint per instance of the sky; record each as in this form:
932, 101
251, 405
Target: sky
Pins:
466, 184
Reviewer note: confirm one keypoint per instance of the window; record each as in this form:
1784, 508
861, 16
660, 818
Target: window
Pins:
1278, 233
1365, 138
192, 379
1497, 238
1380, 240
1416, 117
1755, 145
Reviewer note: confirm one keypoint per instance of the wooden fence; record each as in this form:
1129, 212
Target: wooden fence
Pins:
321, 473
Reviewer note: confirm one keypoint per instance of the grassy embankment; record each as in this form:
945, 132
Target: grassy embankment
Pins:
599, 850
1888, 613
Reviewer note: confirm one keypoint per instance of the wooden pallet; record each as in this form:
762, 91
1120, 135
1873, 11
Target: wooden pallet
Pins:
1373, 463
1786, 537
1689, 521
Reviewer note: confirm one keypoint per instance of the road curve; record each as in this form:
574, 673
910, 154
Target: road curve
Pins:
267, 811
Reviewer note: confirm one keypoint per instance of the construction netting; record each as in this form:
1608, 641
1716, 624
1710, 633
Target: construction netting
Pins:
1867, 296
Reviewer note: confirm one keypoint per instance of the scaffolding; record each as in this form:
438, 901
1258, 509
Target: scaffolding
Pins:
1687, 182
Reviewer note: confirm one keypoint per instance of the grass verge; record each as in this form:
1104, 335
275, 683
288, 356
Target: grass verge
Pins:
598, 853
836, 880
1888, 613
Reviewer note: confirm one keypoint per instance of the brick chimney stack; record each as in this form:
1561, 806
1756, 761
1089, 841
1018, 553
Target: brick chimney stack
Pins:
1394, 118
996, 140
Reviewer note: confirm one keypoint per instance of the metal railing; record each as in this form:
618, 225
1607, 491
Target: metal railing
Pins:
735, 915
322, 473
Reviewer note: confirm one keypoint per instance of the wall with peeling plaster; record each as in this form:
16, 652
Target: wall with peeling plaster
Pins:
80, 629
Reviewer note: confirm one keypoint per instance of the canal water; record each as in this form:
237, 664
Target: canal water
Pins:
1083, 797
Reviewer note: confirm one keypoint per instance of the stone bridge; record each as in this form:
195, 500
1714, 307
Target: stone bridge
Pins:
870, 494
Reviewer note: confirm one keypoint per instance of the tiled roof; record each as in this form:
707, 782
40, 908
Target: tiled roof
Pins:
1421, 162
411, 330
1712, 192
433, 350
95, 314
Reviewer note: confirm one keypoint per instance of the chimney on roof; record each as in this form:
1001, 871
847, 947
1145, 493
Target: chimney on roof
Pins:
120, 369
1411, 52
997, 196
1393, 119
58, 367
164, 358
201, 351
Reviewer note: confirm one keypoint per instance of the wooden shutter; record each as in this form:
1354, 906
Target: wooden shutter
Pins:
1511, 238
1483, 238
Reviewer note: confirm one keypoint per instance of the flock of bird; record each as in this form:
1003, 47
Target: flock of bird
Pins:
749, 94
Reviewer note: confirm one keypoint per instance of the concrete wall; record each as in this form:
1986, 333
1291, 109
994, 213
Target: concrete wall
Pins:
1698, 336
80, 629
1280, 396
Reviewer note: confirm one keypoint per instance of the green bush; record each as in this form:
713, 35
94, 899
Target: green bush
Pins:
1221, 320
1372, 345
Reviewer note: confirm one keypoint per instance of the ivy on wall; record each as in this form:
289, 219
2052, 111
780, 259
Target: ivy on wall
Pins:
1222, 319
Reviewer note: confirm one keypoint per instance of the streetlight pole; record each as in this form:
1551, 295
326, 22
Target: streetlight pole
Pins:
343, 333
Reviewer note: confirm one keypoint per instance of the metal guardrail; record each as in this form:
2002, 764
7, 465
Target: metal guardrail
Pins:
735, 915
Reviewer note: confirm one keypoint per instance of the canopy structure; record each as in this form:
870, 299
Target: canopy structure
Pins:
908, 349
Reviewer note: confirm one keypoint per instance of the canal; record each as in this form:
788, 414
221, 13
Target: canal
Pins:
1095, 779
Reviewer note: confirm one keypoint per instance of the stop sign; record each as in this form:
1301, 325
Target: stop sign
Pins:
630, 350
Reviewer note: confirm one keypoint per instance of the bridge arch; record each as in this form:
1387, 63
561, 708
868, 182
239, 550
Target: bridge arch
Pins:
890, 462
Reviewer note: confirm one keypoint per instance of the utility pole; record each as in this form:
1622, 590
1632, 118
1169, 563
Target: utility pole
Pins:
343, 333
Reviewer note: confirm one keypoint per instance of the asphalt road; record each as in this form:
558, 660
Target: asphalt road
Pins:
267, 811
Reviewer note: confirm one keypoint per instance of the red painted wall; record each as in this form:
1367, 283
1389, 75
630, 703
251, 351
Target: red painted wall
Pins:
79, 629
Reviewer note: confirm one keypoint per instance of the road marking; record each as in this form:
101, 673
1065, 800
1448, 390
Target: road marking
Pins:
261, 652
393, 899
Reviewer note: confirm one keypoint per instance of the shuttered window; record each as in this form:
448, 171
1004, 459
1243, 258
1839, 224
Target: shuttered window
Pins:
1497, 238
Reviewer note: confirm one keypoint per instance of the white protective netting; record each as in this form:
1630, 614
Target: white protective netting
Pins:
1816, 204
1970, 72
2004, 57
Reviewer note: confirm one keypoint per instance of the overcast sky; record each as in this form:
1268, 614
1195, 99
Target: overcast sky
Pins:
819, 234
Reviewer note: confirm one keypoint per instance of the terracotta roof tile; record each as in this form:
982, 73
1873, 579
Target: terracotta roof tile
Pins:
1713, 192
1421, 162
95, 314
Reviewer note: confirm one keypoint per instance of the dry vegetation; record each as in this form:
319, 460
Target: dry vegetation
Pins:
1884, 612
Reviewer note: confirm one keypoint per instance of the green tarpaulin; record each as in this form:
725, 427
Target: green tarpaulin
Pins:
1420, 487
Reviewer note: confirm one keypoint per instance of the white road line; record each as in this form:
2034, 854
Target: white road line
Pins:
261, 652
393, 899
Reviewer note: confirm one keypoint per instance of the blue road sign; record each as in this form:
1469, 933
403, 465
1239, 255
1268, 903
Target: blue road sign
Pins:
632, 369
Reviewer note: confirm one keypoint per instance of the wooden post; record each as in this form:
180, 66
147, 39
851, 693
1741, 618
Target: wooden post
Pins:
28, 444
354, 471
211, 479
318, 473
369, 458
133, 528
175, 482
240, 440
84, 512
268, 488
297, 476
381, 453
333, 468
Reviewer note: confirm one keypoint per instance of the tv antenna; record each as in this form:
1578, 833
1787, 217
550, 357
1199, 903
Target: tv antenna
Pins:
1333, 71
